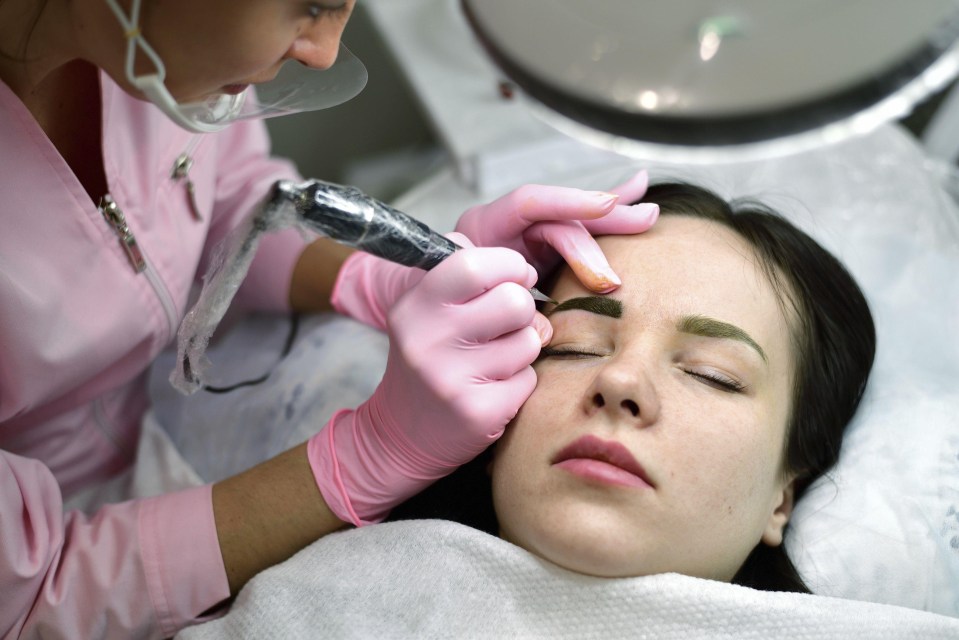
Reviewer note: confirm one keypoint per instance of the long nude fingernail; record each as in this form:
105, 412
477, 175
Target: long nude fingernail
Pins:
609, 280
648, 209
605, 199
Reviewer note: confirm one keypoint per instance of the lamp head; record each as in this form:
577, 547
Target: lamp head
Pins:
698, 78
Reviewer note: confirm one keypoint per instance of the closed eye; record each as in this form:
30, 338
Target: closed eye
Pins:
567, 354
715, 380
718, 381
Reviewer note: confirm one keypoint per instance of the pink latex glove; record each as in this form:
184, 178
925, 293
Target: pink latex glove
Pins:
458, 370
542, 223
546, 224
366, 287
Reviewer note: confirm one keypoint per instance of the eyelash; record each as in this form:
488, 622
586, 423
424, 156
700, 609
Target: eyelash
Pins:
316, 10
547, 352
722, 383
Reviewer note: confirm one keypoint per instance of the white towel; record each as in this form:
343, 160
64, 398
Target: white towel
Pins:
435, 579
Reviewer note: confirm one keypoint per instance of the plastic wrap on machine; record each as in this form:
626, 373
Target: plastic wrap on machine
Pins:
344, 214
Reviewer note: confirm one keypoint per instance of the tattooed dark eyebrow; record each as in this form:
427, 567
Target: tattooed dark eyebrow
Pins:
712, 328
600, 305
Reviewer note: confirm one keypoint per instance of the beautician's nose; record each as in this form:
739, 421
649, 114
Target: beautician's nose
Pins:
317, 47
624, 391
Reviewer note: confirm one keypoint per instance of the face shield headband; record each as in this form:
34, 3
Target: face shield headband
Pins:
296, 87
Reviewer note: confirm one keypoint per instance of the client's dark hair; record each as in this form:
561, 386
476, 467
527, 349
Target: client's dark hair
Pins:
833, 339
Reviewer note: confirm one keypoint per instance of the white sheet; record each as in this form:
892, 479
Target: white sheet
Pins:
435, 579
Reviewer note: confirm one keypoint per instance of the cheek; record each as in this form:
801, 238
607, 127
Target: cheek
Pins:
555, 390
248, 42
539, 426
247, 50
729, 453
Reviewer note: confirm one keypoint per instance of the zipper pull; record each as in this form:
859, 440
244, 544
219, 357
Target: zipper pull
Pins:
181, 169
114, 217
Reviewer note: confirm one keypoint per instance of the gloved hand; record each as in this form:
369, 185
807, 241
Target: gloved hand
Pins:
541, 223
458, 370
547, 223
366, 287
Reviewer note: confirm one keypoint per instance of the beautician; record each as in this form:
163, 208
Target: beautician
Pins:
111, 207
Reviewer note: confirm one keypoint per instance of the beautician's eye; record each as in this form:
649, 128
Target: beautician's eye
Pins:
718, 381
316, 10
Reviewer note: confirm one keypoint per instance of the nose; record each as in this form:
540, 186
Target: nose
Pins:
625, 392
316, 47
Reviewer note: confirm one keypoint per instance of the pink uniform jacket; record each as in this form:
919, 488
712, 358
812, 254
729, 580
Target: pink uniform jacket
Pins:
78, 328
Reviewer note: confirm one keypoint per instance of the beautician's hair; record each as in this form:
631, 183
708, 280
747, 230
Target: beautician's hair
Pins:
833, 339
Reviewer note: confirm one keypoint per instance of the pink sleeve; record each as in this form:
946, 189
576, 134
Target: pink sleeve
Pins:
144, 568
245, 174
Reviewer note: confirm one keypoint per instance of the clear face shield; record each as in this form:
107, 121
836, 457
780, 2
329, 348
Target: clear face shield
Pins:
296, 87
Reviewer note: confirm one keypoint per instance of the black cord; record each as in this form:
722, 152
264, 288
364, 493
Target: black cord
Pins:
290, 339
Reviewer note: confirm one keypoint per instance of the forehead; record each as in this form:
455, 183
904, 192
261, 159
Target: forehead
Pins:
689, 266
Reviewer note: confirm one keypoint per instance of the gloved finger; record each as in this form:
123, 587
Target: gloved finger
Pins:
544, 329
507, 355
505, 308
624, 219
532, 202
509, 395
633, 189
627, 218
460, 240
470, 272
367, 287
577, 246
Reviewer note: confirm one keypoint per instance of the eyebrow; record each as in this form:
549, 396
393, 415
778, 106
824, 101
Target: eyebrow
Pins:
600, 305
695, 325
712, 328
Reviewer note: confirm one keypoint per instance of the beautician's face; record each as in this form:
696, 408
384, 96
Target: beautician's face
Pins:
211, 44
677, 387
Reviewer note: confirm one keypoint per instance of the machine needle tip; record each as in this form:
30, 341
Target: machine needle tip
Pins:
539, 296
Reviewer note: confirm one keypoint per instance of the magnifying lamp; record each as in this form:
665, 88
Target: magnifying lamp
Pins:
698, 80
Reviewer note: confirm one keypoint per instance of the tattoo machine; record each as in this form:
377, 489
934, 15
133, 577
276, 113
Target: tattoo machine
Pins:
341, 213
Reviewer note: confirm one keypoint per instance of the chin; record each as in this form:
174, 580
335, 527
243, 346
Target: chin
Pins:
599, 567
594, 547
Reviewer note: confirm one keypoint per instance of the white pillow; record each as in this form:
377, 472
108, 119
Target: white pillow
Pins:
883, 526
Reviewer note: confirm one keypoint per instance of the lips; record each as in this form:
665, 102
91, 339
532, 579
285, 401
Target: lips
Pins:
234, 89
603, 461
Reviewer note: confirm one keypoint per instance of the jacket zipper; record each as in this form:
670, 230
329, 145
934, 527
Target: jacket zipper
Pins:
137, 257
114, 217
180, 171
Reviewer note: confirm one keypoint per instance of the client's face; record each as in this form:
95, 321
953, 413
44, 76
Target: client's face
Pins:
653, 441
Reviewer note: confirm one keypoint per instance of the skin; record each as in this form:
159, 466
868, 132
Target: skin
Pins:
250, 41
693, 304
268, 513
